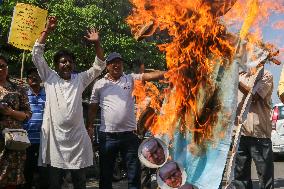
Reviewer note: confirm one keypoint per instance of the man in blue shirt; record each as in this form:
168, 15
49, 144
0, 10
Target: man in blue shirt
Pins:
36, 95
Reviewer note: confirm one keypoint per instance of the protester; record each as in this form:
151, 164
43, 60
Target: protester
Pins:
113, 94
65, 144
14, 109
171, 175
36, 95
255, 143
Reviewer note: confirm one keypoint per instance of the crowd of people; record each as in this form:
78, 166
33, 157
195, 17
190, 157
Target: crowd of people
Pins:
52, 115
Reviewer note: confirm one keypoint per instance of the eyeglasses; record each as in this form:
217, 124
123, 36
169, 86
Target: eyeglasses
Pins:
3, 66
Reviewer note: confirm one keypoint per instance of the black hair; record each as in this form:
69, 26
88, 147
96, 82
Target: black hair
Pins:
31, 70
4, 58
137, 63
63, 52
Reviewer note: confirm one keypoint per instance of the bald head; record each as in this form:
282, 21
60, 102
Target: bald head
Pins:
153, 152
171, 174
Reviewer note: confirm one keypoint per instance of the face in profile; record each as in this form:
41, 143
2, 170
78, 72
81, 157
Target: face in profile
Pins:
153, 152
171, 174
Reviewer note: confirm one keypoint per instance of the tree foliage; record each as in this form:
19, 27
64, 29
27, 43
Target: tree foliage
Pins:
74, 18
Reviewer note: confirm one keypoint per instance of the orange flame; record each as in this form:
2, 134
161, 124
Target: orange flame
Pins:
199, 42
146, 95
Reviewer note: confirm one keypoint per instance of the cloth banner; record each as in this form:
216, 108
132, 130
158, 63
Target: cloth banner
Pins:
205, 171
27, 24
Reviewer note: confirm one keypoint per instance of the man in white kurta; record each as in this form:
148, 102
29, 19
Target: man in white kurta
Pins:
65, 143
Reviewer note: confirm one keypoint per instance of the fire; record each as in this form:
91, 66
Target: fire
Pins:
199, 44
146, 95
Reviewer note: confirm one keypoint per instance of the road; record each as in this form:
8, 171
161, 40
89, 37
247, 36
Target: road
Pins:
278, 180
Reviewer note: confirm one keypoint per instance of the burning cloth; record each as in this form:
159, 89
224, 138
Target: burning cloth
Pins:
197, 116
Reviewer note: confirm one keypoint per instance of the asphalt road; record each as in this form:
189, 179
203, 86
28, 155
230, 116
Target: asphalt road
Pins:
278, 180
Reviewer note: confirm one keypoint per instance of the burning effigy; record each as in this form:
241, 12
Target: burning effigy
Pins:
197, 116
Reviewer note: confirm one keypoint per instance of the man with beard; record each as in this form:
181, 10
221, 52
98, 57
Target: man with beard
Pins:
65, 144
113, 94
36, 95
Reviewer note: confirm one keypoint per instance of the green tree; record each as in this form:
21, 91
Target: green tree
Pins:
74, 17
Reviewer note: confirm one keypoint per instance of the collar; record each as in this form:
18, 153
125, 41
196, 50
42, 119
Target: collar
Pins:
41, 92
107, 77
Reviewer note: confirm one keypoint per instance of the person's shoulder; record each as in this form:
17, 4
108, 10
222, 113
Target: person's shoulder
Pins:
134, 76
42, 91
18, 87
100, 82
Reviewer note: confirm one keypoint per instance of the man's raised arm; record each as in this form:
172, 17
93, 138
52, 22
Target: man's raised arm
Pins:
99, 64
38, 49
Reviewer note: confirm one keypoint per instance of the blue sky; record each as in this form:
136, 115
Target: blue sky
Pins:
276, 36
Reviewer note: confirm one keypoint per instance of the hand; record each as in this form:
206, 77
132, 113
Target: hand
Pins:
90, 132
5, 109
51, 23
93, 35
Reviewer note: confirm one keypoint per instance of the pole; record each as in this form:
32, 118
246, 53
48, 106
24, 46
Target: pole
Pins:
22, 67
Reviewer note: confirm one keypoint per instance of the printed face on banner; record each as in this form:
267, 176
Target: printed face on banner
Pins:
27, 25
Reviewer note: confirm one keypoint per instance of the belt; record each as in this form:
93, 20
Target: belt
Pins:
119, 133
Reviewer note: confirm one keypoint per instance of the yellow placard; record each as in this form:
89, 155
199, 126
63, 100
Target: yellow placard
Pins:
27, 24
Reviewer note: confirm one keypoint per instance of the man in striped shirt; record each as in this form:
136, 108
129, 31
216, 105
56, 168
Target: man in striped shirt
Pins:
36, 95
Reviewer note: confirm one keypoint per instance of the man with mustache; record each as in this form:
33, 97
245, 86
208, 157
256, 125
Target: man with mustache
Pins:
65, 143
113, 94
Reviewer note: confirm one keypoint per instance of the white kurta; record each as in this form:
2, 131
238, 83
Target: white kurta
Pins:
64, 139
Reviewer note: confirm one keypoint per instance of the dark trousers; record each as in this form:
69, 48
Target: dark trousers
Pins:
146, 178
57, 174
31, 167
127, 144
260, 151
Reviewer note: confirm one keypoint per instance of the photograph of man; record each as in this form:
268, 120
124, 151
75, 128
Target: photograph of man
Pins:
171, 176
153, 152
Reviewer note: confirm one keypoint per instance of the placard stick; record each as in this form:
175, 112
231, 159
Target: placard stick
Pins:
22, 67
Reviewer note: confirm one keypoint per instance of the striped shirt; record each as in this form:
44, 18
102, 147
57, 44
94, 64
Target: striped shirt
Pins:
33, 126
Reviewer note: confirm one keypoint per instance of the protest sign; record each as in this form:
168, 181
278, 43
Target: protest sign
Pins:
27, 24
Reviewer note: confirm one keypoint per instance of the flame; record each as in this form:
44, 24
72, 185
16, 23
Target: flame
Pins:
253, 11
146, 95
235, 17
199, 42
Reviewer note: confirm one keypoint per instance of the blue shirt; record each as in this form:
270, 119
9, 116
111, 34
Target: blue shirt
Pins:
37, 104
